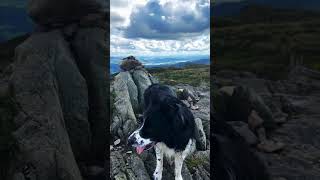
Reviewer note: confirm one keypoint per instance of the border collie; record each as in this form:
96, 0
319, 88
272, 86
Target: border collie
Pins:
168, 125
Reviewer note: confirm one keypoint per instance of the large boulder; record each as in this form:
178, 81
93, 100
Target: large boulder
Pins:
74, 101
127, 167
124, 92
61, 12
142, 80
241, 100
243, 129
89, 46
43, 145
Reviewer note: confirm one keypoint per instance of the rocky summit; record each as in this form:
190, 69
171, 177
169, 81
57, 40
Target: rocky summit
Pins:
127, 90
54, 95
277, 118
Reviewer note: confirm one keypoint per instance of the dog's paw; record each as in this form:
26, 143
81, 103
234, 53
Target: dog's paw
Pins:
178, 178
157, 175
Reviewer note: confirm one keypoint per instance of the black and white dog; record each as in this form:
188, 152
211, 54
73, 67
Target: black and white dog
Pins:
168, 125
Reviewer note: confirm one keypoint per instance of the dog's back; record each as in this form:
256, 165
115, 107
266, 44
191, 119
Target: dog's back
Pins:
177, 121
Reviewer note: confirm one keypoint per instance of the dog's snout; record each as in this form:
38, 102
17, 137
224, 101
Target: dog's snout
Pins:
131, 140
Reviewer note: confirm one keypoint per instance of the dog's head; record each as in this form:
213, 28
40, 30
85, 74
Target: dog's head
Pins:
143, 138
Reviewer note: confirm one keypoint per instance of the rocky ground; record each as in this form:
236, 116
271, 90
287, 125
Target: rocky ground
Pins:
127, 88
54, 95
294, 105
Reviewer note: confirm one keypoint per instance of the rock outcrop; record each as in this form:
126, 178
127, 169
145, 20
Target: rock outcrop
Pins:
127, 90
55, 94
42, 139
281, 114
89, 46
59, 13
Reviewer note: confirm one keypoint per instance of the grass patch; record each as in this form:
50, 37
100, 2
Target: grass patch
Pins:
266, 47
192, 74
194, 162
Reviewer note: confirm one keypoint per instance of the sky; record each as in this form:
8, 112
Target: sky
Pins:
160, 27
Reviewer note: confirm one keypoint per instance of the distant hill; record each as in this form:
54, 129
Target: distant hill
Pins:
205, 61
291, 4
264, 40
224, 9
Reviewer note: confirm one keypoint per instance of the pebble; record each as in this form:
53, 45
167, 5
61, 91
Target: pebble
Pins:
117, 142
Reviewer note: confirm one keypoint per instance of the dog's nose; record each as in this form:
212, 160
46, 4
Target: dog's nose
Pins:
131, 140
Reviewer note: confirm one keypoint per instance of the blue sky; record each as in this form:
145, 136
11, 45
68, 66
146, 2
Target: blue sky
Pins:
160, 27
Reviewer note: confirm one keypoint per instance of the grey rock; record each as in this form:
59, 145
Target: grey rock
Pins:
270, 146
142, 81
227, 90
117, 142
201, 143
42, 137
244, 131
132, 89
74, 100
128, 166
254, 120
124, 119
260, 86
199, 165
59, 12
89, 46
130, 64
203, 112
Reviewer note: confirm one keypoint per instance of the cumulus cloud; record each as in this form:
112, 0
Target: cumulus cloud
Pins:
116, 18
160, 27
118, 3
160, 19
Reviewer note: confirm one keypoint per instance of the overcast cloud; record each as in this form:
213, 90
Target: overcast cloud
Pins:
160, 27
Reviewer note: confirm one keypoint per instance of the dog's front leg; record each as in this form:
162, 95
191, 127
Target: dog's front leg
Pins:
178, 161
159, 158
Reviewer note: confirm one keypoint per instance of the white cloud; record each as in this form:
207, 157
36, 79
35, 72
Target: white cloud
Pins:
122, 13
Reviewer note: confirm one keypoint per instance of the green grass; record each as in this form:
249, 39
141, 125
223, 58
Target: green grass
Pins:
193, 75
194, 162
265, 47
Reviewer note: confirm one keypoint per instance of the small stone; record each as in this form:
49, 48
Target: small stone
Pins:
228, 90
270, 146
193, 107
244, 131
254, 120
186, 103
129, 152
117, 142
